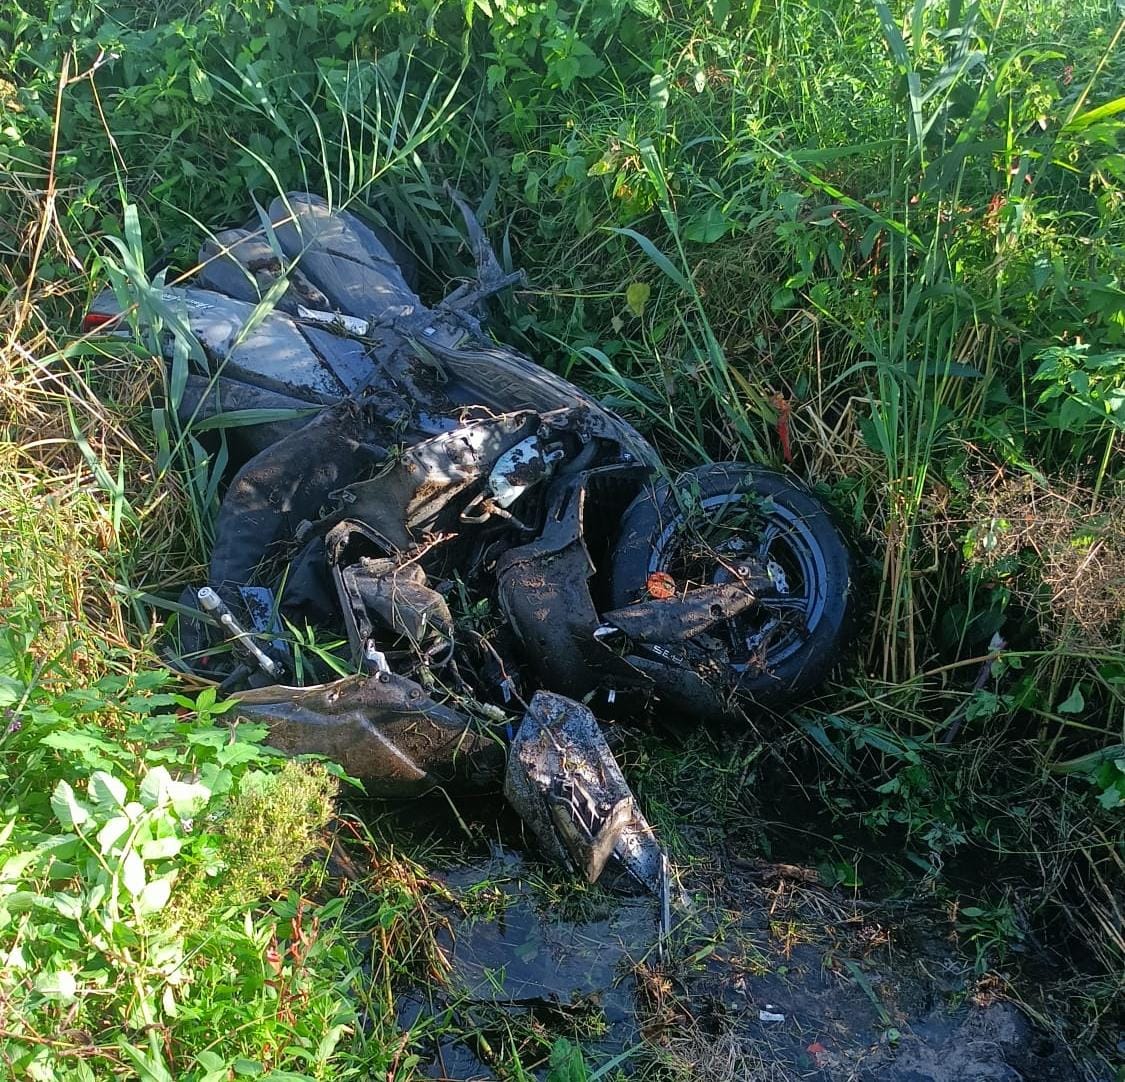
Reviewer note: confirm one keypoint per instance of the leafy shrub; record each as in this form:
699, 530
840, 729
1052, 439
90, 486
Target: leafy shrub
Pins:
141, 833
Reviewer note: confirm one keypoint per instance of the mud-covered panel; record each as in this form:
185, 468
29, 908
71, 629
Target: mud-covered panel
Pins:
567, 787
284, 485
274, 354
428, 487
383, 729
343, 257
677, 618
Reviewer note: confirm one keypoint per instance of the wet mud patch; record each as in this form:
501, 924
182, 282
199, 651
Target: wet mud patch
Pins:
531, 958
797, 981
770, 976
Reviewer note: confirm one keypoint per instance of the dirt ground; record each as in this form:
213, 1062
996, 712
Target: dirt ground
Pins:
769, 976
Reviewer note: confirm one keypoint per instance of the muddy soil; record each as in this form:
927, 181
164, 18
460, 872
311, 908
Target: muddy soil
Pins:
771, 976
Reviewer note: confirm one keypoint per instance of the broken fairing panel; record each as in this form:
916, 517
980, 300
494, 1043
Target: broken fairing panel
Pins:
676, 619
567, 787
383, 729
526, 464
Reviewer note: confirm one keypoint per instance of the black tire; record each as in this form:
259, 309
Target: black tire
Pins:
774, 517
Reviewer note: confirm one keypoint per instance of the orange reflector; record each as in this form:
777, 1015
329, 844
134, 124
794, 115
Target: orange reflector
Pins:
661, 585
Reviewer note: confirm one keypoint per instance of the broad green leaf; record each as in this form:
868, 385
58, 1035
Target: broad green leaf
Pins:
211, 1061
154, 787
154, 897
67, 807
1074, 703
106, 791
239, 751
11, 691
160, 789
20, 901
160, 848
88, 746
1111, 798
707, 227
95, 897
14, 866
636, 296
188, 798
68, 905
133, 873
81, 1072
566, 1063
201, 88
58, 984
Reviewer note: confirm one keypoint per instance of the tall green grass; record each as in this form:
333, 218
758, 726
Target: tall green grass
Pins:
901, 223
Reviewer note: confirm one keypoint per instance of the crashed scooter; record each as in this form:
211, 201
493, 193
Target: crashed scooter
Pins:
491, 540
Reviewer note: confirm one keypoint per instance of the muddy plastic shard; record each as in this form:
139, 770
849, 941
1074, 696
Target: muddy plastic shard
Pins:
383, 729
679, 618
567, 787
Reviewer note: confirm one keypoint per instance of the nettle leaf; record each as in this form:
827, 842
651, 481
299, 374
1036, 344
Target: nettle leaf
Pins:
106, 791
69, 810
154, 678
91, 749
238, 752
213, 737
146, 704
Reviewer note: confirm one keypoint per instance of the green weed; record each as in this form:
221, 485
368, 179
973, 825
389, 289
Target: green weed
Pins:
897, 226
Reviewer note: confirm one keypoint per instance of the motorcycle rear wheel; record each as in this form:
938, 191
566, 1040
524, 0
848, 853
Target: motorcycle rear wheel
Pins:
696, 528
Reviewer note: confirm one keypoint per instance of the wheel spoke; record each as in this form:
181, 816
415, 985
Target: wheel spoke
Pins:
769, 535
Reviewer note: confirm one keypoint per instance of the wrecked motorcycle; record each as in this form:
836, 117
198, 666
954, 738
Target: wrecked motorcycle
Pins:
477, 527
